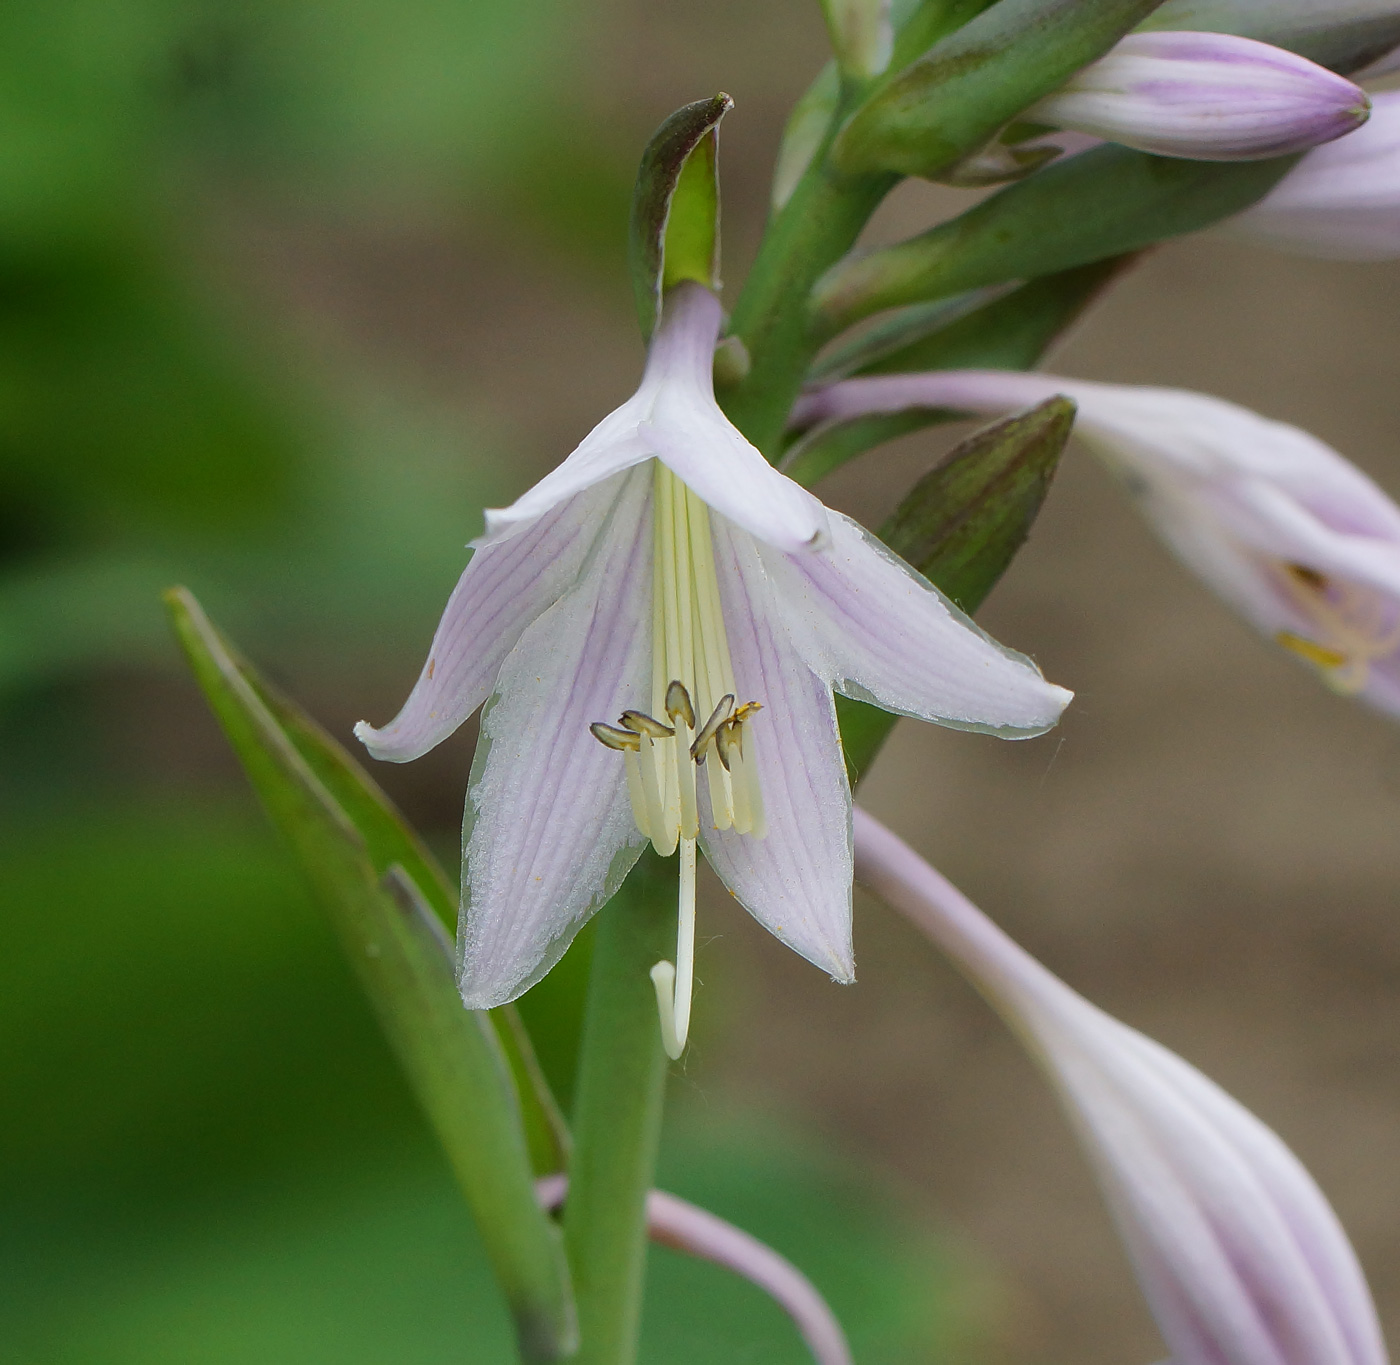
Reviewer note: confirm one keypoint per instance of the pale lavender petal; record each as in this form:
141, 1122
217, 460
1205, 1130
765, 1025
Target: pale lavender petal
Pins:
685, 1227
688, 431
1240, 1256
1341, 201
674, 417
1206, 96
797, 879
870, 626
549, 833
504, 588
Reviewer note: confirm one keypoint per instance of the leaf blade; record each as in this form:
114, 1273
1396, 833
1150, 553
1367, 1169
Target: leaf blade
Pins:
391, 930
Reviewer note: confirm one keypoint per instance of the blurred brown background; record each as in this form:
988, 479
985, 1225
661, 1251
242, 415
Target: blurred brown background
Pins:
1206, 847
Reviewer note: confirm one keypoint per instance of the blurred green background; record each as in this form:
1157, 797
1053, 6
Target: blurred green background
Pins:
288, 293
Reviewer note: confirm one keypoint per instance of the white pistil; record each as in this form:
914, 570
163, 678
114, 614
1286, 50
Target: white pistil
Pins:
1351, 624
674, 984
692, 676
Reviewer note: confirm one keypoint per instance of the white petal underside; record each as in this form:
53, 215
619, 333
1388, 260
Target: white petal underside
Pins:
549, 831
502, 590
864, 621
674, 417
796, 881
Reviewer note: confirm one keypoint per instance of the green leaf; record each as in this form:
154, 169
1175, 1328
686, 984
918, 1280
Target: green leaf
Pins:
1084, 208
675, 207
379, 887
954, 99
961, 526
1011, 330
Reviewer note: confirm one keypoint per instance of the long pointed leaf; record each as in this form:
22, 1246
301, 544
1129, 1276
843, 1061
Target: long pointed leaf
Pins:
376, 881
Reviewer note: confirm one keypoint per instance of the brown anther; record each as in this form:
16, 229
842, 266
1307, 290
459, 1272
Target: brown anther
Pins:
727, 740
742, 713
678, 704
1309, 578
707, 732
639, 723
612, 738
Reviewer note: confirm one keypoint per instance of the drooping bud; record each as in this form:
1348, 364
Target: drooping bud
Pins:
1237, 1251
1206, 96
1342, 201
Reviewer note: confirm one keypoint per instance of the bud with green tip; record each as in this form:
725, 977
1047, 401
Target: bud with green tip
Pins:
862, 36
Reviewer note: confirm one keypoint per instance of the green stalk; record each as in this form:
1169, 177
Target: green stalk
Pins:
816, 227
617, 1115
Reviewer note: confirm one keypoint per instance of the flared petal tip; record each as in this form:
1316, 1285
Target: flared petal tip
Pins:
382, 744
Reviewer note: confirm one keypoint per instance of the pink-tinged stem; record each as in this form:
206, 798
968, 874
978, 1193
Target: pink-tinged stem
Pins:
682, 1226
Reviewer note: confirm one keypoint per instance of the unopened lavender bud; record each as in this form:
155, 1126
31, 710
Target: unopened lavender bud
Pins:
1207, 97
1238, 1253
1342, 201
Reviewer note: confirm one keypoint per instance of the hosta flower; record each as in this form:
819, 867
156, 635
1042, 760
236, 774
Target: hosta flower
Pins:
659, 624
1207, 96
1341, 201
1288, 532
1241, 1258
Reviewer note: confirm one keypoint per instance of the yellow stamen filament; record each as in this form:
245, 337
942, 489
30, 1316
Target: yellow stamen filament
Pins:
692, 676
1354, 625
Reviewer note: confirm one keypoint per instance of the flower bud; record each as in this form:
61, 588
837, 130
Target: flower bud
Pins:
1239, 1255
1206, 96
1342, 201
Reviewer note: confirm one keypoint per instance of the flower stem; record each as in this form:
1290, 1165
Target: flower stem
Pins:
617, 1115
773, 317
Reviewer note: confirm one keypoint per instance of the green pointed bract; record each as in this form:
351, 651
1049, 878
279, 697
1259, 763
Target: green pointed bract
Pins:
1007, 328
961, 525
675, 207
387, 901
1103, 202
955, 98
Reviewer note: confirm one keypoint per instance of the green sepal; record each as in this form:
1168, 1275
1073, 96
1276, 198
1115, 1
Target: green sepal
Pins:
386, 899
1312, 30
1084, 208
961, 525
675, 207
994, 329
956, 97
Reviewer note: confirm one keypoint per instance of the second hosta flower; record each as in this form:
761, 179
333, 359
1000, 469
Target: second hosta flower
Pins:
659, 625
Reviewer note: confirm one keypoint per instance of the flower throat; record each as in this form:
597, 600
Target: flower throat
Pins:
694, 731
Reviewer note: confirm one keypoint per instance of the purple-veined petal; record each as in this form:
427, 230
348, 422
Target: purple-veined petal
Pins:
503, 589
1156, 433
796, 880
688, 431
869, 625
549, 832
1207, 96
1239, 1254
674, 416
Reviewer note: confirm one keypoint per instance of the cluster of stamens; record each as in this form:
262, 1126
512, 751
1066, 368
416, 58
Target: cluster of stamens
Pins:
664, 761
692, 675
1354, 625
